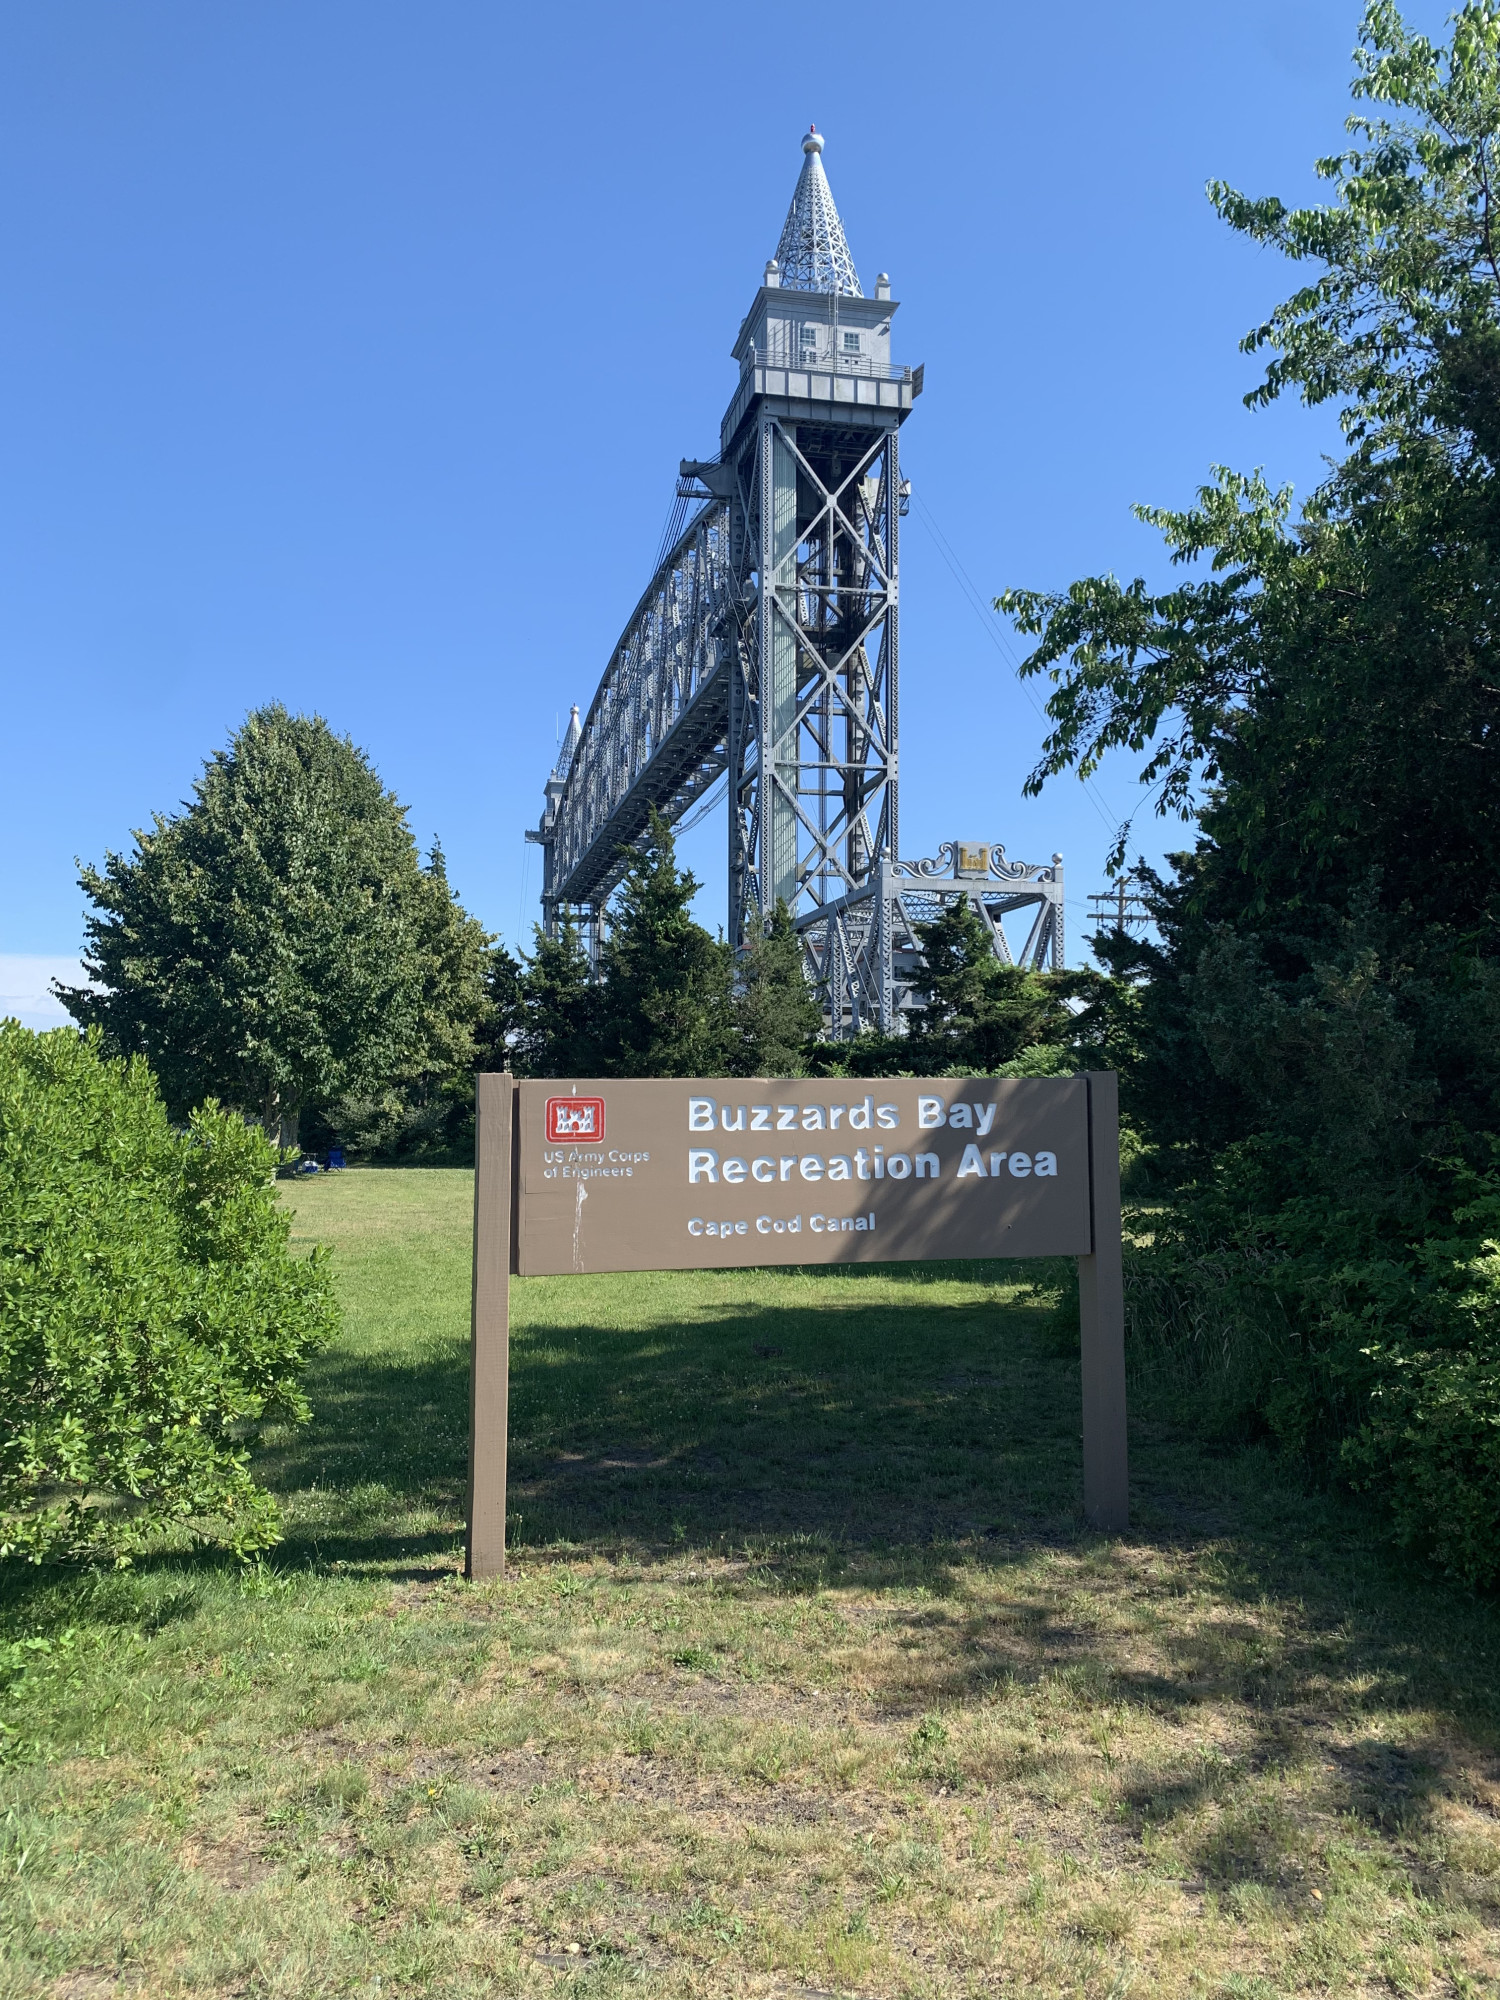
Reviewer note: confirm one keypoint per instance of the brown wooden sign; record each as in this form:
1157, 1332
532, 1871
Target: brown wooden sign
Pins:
693, 1175
705, 1173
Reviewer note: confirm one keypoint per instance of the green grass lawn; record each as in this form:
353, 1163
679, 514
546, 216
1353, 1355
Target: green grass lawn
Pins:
807, 1679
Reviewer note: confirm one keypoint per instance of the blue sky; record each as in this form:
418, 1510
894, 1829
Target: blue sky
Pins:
350, 350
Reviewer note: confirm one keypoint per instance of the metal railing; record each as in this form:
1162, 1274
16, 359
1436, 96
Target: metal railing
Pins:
806, 362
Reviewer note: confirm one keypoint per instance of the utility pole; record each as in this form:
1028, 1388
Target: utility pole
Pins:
1121, 907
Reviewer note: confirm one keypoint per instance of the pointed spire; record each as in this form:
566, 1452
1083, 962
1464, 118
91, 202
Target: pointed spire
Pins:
570, 744
812, 255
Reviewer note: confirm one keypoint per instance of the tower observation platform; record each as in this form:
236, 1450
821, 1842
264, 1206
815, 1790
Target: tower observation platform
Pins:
765, 652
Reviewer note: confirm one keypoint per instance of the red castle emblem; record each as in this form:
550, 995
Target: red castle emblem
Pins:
576, 1118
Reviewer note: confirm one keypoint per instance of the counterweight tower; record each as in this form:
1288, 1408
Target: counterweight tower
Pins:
766, 650
809, 464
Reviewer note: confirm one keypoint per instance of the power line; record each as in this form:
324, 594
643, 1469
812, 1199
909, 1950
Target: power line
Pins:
1121, 906
993, 632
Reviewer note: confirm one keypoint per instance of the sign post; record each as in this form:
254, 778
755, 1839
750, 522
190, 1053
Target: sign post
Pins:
718, 1172
1101, 1320
489, 1336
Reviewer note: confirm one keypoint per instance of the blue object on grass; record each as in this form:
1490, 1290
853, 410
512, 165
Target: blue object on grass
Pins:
335, 1159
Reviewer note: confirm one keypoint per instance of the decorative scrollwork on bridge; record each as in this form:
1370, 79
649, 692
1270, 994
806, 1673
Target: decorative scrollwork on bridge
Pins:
950, 860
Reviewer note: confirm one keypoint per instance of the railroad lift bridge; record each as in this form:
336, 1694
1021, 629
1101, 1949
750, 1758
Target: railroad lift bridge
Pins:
764, 656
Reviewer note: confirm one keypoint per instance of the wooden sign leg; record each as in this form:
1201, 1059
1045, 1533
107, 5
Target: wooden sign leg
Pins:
1101, 1313
489, 1339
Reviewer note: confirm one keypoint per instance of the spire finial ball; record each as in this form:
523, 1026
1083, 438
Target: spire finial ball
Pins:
813, 143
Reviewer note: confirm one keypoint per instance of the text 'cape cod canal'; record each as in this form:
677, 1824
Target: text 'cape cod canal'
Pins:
619, 1176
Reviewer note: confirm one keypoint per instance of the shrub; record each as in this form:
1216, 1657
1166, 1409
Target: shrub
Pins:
150, 1311
430, 1125
1365, 1340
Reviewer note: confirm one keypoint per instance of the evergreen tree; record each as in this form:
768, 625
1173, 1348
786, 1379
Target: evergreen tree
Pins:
505, 987
279, 944
504, 991
665, 1004
775, 1010
981, 1013
454, 949
557, 1018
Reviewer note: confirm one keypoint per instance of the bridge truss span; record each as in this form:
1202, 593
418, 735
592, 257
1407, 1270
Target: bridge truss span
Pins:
655, 733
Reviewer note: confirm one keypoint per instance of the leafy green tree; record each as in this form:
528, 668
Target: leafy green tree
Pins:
1338, 634
150, 1310
776, 1012
279, 943
666, 1005
1409, 250
1317, 1024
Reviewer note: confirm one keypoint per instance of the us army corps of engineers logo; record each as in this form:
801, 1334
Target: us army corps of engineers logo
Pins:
577, 1118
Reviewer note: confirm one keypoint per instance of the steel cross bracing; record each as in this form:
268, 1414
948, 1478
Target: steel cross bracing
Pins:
863, 950
655, 731
813, 684
766, 646
766, 649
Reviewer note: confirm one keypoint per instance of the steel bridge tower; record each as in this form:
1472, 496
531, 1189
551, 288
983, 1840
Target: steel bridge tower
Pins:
766, 650
809, 461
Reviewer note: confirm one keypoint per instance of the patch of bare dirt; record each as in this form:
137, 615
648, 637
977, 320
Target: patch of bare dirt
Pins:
229, 1864
415, 1587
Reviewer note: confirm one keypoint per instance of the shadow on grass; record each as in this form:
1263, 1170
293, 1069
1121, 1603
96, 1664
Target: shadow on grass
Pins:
892, 1442
889, 1424
805, 1433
